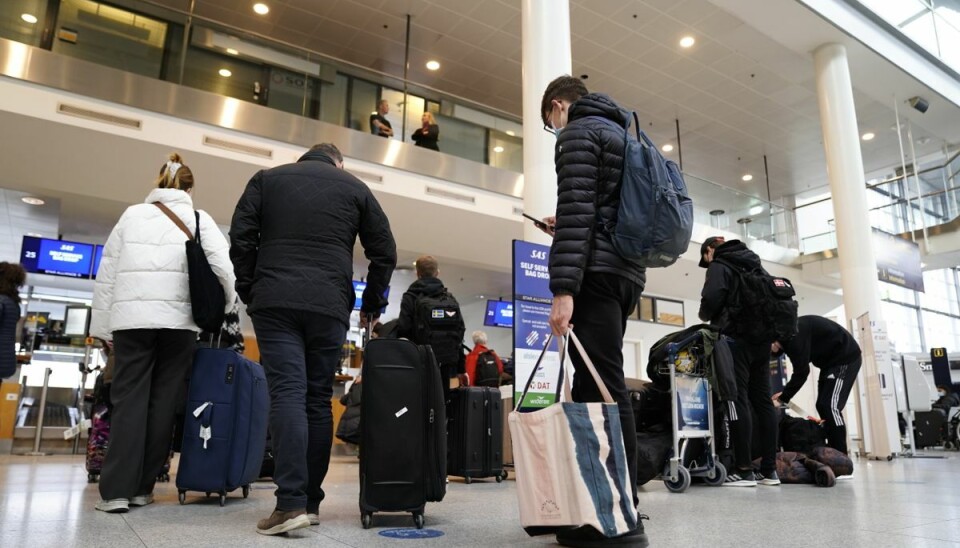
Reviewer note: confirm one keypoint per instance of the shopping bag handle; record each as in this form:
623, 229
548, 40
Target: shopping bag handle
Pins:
563, 379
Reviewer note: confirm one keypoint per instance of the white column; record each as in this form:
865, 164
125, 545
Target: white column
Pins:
841, 142
546, 55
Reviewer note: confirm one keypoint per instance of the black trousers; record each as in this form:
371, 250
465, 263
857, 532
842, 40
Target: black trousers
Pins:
151, 365
300, 352
752, 367
599, 320
833, 389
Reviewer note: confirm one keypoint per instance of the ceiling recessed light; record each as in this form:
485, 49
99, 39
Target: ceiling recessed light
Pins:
232, 51
225, 73
511, 133
32, 201
667, 148
29, 18
498, 148
868, 136
261, 9
747, 177
687, 42
756, 210
433, 65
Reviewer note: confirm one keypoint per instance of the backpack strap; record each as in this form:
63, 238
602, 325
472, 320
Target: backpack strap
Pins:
176, 220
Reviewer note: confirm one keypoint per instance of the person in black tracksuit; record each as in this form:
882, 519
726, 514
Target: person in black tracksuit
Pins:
751, 361
830, 347
594, 288
293, 235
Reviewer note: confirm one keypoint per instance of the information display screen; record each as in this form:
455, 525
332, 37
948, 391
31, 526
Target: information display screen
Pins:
499, 314
56, 257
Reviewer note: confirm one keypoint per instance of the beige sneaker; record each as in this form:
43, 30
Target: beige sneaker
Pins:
314, 519
141, 500
113, 506
283, 522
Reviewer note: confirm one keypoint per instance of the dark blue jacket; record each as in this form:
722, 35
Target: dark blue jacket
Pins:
9, 316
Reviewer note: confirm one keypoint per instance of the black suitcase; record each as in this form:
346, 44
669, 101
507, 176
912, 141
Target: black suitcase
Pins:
403, 435
476, 434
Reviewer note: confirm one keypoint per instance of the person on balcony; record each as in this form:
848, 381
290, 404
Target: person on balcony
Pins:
427, 135
379, 125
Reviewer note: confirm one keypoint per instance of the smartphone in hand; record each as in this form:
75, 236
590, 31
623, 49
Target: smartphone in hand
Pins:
539, 224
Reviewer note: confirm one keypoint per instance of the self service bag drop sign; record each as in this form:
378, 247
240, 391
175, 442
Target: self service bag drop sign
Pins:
531, 323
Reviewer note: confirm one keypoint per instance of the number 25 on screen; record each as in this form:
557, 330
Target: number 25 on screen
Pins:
538, 254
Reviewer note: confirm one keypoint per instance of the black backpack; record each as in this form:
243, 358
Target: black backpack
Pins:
487, 373
438, 323
763, 309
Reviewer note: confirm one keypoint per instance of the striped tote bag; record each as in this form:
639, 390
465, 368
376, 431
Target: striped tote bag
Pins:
570, 460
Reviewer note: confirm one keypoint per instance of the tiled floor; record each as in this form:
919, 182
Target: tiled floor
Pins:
47, 502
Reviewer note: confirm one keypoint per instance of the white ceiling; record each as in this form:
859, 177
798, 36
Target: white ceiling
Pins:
738, 93
18, 219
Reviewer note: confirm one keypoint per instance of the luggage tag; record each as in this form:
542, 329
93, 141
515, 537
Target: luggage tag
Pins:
206, 432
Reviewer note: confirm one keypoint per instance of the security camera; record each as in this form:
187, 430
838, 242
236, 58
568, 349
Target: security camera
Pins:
919, 103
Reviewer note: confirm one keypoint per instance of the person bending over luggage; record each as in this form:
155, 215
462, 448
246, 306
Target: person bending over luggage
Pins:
141, 302
293, 234
430, 315
829, 346
483, 365
751, 357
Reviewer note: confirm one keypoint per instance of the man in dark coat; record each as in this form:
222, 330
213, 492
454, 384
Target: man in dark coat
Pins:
293, 234
827, 345
594, 288
751, 358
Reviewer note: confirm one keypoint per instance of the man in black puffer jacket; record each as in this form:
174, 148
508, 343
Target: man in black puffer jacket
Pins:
292, 235
751, 358
594, 288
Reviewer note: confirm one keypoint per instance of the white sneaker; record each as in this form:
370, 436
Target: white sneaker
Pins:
845, 478
314, 519
113, 506
141, 500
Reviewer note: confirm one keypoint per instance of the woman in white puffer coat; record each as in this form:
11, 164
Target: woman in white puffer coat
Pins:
141, 301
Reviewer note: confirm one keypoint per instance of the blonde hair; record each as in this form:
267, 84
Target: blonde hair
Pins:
430, 119
174, 174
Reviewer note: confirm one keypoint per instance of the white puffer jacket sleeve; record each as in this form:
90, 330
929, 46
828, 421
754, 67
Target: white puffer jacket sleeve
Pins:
143, 281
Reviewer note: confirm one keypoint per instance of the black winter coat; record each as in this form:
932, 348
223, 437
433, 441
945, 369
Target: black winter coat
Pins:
9, 316
720, 287
589, 162
293, 234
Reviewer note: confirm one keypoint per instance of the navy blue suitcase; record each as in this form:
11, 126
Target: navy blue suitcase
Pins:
228, 395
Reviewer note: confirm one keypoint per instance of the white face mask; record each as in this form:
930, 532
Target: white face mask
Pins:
942, 393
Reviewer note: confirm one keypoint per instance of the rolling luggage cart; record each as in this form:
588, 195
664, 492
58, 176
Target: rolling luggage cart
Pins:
692, 416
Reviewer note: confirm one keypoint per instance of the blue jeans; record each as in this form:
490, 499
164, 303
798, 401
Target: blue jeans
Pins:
300, 352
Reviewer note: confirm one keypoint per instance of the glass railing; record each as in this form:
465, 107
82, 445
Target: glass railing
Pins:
729, 210
934, 25
170, 45
901, 205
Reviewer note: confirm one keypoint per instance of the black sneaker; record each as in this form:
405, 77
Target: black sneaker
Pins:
770, 478
588, 537
741, 479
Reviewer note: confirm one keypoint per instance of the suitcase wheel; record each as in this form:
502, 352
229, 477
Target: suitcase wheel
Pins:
246, 491
223, 500
93, 478
500, 478
418, 520
208, 494
183, 497
468, 480
366, 519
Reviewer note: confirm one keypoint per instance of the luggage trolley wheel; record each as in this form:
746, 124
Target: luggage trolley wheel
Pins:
719, 475
246, 491
183, 496
418, 520
683, 481
366, 518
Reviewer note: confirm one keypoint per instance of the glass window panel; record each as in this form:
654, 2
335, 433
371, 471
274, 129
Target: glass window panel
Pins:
415, 106
14, 27
670, 312
363, 103
110, 36
333, 101
462, 139
645, 310
287, 90
903, 326
203, 71
505, 151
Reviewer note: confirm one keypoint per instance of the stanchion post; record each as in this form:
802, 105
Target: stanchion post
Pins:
43, 411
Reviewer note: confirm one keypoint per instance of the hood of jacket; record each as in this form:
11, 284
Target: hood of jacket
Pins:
427, 287
736, 252
599, 105
169, 196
